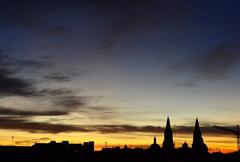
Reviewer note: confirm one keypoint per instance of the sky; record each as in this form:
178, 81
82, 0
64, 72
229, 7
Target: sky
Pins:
114, 70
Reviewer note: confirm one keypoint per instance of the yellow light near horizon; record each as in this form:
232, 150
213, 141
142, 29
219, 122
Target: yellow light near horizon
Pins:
143, 140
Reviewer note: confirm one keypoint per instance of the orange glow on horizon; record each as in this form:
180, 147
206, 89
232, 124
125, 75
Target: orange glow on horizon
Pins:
133, 140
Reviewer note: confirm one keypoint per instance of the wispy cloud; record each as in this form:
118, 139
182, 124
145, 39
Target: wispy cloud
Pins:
12, 85
56, 92
58, 77
188, 84
217, 63
31, 141
25, 113
34, 127
70, 102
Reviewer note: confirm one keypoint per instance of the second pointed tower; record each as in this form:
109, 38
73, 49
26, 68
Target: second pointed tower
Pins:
198, 144
168, 144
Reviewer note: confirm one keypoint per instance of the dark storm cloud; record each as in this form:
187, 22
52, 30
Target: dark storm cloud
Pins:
218, 63
15, 112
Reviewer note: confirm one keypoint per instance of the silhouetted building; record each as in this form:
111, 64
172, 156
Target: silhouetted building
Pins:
65, 146
168, 144
198, 144
125, 148
185, 146
88, 146
154, 146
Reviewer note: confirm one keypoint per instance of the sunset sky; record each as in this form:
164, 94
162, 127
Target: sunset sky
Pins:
114, 70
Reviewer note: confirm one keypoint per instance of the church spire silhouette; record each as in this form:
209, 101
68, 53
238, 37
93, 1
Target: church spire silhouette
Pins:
198, 143
168, 137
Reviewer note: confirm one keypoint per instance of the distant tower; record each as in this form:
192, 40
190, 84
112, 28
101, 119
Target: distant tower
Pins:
154, 140
198, 144
185, 146
168, 144
154, 146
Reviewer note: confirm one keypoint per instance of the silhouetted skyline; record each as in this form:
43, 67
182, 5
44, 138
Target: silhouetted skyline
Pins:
112, 71
62, 151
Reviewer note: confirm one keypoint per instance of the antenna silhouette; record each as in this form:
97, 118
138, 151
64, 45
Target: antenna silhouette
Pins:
235, 132
13, 143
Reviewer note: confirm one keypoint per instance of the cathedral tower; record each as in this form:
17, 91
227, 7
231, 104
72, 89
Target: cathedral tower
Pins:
198, 144
168, 144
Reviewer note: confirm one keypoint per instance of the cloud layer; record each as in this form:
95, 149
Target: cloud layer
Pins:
14, 123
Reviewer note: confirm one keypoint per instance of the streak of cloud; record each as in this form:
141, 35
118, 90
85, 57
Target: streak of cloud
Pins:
11, 111
15, 123
217, 63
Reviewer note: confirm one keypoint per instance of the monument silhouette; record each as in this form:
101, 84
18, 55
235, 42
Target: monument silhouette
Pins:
198, 145
154, 146
168, 144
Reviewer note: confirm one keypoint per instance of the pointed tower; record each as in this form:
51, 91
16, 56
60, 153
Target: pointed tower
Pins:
198, 143
168, 137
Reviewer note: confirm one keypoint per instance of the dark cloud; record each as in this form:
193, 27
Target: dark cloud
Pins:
56, 92
100, 112
218, 63
15, 86
36, 127
58, 77
155, 129
127, 128
14, 112
70, 102
12, 85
